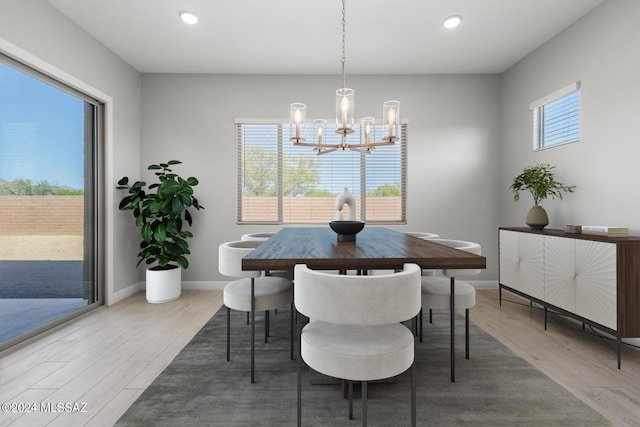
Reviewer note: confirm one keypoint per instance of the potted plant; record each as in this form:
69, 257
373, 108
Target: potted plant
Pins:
160, 211
540, 182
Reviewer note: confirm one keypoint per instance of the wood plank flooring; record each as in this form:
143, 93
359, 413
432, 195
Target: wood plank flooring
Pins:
580, 361
105, 359
108, 357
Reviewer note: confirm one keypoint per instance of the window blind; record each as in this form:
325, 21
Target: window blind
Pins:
556, 117
279, 182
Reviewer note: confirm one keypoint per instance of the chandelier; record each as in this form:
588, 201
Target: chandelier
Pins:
345, 117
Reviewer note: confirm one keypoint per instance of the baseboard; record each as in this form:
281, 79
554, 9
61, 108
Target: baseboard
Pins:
124, 293
634, 342
197, 285
204, 285
483, 284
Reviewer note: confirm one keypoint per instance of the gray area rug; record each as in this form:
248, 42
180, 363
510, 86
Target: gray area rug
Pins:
494, 388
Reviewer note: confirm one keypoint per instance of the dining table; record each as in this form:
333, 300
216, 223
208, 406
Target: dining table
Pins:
374, 248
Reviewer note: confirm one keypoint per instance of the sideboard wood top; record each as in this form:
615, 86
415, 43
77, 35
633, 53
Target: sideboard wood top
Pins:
562, 233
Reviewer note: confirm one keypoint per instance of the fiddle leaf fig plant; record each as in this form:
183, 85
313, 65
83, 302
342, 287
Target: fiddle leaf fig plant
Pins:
540, 182
160, 210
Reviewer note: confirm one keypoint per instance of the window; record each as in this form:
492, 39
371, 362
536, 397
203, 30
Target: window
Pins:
556, 118
279, 183
49, 154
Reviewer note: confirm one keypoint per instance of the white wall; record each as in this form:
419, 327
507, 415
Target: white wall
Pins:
469, 135
453, 146
37, 34
600, 50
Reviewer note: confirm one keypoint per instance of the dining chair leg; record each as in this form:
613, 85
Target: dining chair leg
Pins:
413, 380
228, 334
253, 329
299, 370
453, 337
350, 400
248, 318
420, 323
291, 329
364, 403
413, 392
466, 333
266, 326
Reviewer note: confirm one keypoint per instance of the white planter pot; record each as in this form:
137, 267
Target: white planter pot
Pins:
164, 285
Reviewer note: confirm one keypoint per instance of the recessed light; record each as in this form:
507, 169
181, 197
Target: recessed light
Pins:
188, 17
452, 21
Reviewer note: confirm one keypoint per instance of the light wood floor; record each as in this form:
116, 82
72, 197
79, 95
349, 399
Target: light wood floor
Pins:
579, 361
107, 358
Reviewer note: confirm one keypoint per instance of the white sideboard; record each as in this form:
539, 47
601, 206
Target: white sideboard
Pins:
593, 279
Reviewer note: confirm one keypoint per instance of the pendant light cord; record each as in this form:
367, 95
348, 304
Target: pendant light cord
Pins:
344, 36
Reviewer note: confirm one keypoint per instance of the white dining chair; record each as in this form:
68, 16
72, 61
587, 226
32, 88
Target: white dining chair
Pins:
262, 236
422, 235
253, 291
436, 293
355, 331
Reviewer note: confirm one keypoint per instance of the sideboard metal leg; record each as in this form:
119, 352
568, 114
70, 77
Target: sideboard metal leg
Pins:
619, 349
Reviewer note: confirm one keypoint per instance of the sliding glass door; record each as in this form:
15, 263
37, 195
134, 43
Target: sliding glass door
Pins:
49, 156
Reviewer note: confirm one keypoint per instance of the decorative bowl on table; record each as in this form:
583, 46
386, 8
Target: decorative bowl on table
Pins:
346, 230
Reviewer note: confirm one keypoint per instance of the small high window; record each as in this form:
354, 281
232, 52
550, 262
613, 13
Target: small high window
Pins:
556, 118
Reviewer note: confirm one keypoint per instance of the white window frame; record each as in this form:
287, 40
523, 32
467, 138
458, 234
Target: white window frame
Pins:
539, 111
282, 139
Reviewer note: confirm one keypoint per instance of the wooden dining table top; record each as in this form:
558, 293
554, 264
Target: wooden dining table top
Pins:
375, 247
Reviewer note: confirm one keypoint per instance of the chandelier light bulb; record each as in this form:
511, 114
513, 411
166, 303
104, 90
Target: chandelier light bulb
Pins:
344, 106
392, 119
298, 114
319, 124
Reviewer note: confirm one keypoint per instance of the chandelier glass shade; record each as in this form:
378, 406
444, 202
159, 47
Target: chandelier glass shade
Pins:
345, 118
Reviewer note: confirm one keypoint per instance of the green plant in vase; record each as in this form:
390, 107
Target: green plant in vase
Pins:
538, 180
161, 210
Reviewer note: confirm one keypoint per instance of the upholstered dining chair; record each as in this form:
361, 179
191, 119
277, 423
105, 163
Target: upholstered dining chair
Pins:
252, 291
264, 235
422, 235
355, 331
436, 291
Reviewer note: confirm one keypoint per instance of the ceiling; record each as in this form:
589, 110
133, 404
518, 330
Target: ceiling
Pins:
305, 36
